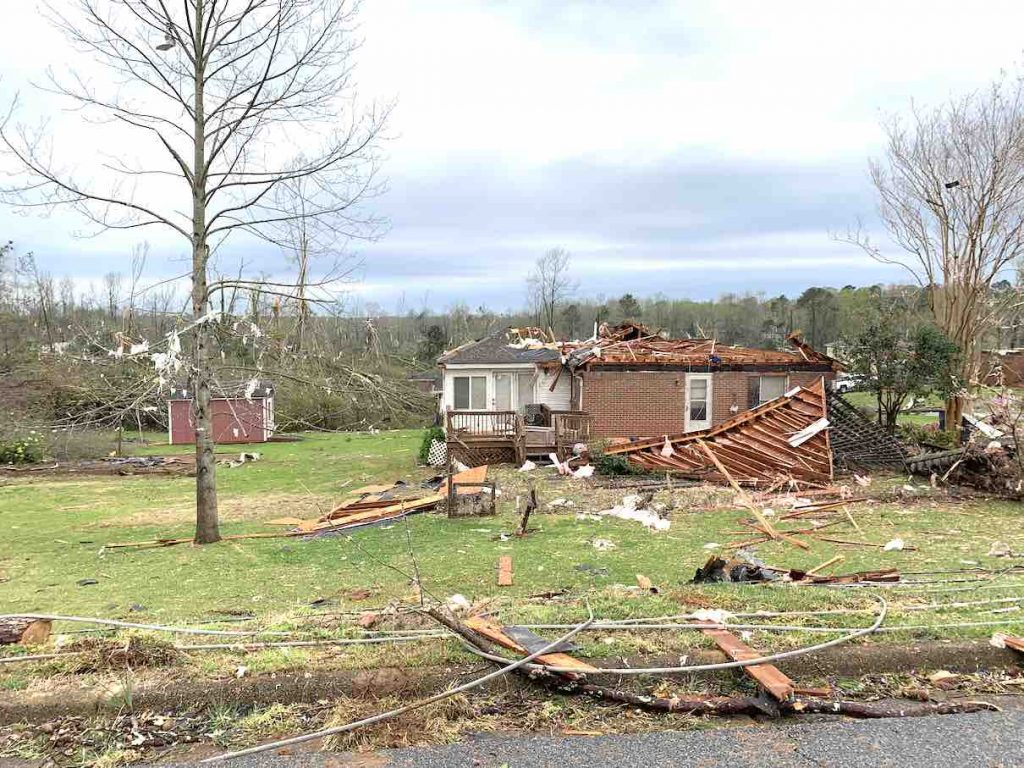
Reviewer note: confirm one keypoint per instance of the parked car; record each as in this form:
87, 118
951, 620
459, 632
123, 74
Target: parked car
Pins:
848, 382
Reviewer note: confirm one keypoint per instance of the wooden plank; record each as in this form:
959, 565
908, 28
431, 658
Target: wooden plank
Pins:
505, 571
493, 632
826, 564
1016, 643
767, 676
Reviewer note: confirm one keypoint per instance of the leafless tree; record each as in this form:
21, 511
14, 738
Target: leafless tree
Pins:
549, 285
951, 195
236, 98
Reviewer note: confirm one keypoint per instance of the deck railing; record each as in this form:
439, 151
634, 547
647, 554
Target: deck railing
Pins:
483, 423
571, 427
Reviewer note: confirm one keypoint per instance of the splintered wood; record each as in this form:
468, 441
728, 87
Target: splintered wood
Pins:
496, 634
767, 676
753, 448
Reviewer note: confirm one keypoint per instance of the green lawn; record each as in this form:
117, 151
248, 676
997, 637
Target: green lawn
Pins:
56, 530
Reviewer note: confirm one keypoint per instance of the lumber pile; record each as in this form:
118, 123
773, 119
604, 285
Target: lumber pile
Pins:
787, 437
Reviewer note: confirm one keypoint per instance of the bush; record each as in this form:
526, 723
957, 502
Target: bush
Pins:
429, 436
26, 449
917, 434
615, 465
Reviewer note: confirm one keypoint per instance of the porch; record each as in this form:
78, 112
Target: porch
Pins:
496, 437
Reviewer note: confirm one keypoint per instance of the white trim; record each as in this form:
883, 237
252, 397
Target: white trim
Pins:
170, 424
689, 426
488, 366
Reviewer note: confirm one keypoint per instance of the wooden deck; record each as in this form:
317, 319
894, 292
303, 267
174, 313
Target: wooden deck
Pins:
499, 437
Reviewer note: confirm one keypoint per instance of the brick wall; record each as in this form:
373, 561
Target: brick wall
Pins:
634, 403
652, 403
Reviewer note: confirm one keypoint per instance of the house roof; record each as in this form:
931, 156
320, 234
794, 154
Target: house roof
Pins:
632, 344
618, 348
501, 347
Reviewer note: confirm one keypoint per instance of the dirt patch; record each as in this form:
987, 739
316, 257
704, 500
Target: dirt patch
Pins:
232, 510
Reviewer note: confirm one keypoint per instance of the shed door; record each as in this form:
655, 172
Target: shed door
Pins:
698, 401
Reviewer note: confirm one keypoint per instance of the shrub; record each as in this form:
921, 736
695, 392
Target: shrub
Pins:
615, 465
429, 436
917, 434
24, 449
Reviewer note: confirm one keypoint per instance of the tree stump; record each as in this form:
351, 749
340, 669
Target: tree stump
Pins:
24, 631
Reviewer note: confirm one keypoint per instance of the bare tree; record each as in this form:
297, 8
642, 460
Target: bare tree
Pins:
549, 285
951, 194
236, 98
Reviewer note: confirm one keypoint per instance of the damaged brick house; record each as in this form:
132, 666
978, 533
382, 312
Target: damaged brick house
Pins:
626, 382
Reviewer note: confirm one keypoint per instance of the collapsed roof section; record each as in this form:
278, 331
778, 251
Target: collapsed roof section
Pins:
787, 437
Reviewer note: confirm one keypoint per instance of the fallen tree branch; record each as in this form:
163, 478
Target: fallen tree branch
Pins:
408, 707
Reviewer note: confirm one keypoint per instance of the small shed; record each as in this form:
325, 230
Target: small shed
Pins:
241, 415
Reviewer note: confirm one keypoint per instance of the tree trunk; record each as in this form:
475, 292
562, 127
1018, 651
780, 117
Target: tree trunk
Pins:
207, 524
955, 412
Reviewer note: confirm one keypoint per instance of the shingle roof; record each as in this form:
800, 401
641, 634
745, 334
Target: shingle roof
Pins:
495, 349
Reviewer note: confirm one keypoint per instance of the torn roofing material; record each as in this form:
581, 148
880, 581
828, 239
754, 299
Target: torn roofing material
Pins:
755, 447
656, 351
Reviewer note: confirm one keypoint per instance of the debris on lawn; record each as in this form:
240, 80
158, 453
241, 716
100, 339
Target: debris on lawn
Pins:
24, 631
505, 571
1002, 640
603, 545
632, 508
766, 675
367, 506
743, 568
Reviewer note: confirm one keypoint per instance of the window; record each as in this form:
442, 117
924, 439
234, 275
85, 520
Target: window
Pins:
525, 393
470, 393
698, 399
765, 388
503, 391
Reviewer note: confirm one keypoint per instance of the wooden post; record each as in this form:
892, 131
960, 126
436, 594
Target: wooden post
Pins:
531, 505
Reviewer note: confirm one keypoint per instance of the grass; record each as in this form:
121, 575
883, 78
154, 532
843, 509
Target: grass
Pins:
866, 401
56, 529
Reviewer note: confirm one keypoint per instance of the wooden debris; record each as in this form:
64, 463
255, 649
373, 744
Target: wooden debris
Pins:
767, 675
751, 448
494, 632
505, 571
24, 631
531, 506
826, 564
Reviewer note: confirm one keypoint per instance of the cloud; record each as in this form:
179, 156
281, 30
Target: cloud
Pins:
687, 148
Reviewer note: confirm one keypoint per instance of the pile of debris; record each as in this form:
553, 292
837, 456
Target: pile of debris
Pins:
364, 507
785, 437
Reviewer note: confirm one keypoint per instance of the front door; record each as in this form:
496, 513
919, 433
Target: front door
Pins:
698, 401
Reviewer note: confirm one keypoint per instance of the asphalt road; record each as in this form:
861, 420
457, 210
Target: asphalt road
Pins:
982, 740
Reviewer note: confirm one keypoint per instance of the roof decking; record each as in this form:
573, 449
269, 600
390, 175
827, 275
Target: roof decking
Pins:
786, 437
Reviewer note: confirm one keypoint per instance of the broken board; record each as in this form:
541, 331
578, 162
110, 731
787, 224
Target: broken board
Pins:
496, 634
767, 676
505, 571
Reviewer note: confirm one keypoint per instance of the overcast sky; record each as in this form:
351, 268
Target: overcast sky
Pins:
686, 148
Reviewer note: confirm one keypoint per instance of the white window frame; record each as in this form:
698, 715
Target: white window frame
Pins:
785, 386
689, 424
470, 406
